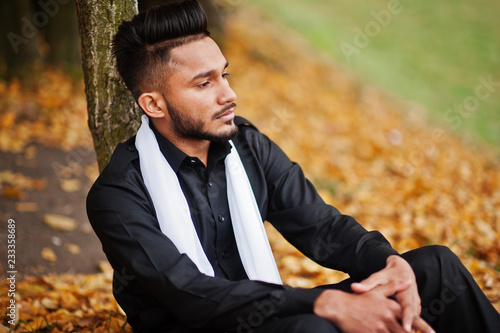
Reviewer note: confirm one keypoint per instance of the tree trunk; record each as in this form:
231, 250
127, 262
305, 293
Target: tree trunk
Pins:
113, 113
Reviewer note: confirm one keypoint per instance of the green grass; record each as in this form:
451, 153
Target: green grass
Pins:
431, 52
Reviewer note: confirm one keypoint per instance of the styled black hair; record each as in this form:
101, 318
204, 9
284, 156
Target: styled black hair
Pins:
142, 45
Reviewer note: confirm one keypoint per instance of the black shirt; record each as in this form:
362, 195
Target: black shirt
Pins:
206, 193
163, 291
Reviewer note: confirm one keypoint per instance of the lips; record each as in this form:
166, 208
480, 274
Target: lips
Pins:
227, 114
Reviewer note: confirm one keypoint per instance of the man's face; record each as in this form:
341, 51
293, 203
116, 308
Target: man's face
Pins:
199, 100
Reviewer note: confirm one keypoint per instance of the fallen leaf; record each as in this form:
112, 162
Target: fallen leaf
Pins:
37, 325
73, 249
70, 185
30, 153
69, 302
49, 303
5, 176
104, 266
11, 192
60, 222
4, 329
8, 120
68, 327
91, 172
48, 254
26, 207
39, 184
20, 181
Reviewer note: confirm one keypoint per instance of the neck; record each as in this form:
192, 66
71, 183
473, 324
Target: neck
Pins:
189, 146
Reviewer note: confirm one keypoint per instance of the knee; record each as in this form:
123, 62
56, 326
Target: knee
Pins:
434, 260
439, 252
431, 251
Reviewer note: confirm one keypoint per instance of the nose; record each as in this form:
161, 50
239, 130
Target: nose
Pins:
226, 94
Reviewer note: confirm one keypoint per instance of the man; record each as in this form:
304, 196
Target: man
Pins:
179, 212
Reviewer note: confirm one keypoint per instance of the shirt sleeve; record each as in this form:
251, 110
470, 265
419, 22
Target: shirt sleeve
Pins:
318, 230
143, 258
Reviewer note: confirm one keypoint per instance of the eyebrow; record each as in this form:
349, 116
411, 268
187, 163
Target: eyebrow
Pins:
207, 74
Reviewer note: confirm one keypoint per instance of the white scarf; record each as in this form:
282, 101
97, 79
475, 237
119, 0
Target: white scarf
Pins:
174, 216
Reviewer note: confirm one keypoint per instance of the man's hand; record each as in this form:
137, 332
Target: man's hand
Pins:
396, 271
371, 311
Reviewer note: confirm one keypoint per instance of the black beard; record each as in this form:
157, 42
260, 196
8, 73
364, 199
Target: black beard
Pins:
190, 128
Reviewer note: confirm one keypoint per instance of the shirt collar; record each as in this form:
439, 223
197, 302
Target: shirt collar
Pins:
175, 157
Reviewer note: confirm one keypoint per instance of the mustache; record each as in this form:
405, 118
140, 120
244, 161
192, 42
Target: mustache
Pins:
225, 109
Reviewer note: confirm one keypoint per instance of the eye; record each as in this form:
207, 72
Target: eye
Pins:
225, 75
203, 84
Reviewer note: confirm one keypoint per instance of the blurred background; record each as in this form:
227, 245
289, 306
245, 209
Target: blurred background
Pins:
392, 108
433, 54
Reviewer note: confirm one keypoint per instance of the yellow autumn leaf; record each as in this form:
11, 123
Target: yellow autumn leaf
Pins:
60, 222
48, 254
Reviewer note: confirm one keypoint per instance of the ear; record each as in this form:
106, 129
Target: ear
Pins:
153, 104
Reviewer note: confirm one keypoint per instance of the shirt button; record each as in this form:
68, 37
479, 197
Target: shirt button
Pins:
221, 218
210, 184
223, 255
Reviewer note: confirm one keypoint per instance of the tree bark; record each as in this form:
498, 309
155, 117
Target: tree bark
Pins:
113, 114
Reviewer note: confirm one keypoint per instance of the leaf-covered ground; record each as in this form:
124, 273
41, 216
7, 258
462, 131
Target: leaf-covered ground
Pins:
370, 155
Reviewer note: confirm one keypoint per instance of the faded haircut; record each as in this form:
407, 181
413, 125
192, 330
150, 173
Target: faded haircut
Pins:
142, 45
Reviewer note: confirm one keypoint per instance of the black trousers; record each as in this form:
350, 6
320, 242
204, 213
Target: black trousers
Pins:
451, 299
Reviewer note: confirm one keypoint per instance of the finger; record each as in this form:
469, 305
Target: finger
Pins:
393, 288
420, 325
395, 327
392, 321
411, 310
408, 318
410, 302
360, 287
368, 284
